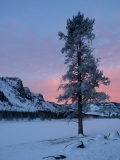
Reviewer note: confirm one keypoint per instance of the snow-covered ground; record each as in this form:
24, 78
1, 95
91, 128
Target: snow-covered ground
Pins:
37, 139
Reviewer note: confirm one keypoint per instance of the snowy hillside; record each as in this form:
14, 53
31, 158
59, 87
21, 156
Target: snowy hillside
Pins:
15, 97
108, 109
103, 110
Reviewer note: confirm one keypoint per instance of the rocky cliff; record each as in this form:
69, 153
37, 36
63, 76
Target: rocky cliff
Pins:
15, 97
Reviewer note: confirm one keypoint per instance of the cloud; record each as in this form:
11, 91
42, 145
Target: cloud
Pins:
47, 87
30, 55
107, 41
36, 58
113, 90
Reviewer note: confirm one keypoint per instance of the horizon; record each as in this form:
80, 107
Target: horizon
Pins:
30, 46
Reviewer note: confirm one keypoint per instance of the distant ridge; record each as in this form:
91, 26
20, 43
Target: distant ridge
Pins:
14, 97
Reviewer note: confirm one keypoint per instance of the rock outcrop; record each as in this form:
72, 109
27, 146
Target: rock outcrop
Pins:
15, 97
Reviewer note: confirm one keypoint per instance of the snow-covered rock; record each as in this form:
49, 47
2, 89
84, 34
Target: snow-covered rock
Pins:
73, 146
113, 135
55, 157
15, 97
100, 137
108, 109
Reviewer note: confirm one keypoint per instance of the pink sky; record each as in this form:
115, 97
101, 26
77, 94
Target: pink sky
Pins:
30, 46
113, 90
49, 87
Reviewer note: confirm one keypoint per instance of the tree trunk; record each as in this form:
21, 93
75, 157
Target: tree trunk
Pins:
80, 125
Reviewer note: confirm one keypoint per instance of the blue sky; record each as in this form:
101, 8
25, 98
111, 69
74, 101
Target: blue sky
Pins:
30, 46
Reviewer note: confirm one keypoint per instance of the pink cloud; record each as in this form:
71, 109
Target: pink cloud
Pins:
48, 87
113, 90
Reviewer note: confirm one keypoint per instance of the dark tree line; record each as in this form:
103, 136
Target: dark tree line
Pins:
11, 115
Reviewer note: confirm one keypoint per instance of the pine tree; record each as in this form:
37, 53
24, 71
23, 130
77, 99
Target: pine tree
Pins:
83, 76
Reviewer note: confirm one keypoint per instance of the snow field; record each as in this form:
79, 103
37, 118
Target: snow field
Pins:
35, 140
